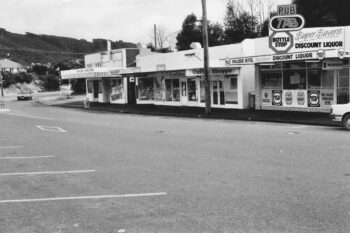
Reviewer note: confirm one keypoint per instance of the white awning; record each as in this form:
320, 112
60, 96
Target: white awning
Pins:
91, 73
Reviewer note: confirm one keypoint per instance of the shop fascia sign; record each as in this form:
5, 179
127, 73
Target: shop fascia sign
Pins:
272, 58
286, 20
212, 71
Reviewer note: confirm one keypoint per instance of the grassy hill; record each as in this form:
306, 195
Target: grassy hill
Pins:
30, 47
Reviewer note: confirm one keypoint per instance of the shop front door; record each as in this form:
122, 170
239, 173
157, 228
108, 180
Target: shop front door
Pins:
218, 94
131, 90
183, 96
96, 87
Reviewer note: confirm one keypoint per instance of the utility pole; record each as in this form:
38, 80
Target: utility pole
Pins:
155, 37
206, 59
2, 84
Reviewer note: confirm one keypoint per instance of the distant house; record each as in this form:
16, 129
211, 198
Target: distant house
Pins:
11, 66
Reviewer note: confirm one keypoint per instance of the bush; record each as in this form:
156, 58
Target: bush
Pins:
50, 82
10, 78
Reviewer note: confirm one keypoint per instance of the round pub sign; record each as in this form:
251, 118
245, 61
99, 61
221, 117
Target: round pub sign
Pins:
281, 42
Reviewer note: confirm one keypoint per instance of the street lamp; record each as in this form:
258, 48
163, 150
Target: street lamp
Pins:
206, 59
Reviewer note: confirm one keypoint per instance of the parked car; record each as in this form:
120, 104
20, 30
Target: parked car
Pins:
341, 113
25, 95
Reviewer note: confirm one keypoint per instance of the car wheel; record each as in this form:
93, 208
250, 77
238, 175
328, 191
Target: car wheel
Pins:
346, 122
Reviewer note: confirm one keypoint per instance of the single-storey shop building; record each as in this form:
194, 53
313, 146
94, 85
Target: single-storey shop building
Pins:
311, 76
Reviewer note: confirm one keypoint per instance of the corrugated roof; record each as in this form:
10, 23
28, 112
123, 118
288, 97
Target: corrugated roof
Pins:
6, 63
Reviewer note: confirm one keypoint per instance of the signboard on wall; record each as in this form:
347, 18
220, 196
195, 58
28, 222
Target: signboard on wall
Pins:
288, 98
327, 98
277, 98
314, 98
266, 97
301, 98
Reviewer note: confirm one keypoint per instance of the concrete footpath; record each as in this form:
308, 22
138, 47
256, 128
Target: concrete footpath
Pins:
308, 118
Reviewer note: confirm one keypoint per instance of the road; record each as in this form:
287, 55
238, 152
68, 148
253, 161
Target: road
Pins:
107, 172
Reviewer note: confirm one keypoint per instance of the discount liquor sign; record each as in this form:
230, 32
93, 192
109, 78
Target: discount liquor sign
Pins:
281, 40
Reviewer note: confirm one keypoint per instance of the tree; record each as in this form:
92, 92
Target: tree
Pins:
323, 13
239, 24
160, 35
192, 32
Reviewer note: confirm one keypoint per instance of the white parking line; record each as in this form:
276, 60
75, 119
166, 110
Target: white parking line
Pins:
10, 147
27, 157
83, 197
51, 128
29, 116
45, 173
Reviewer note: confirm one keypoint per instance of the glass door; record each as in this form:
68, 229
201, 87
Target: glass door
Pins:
342, 86
218, 94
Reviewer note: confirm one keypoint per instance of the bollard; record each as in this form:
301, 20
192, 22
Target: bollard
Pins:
87, 103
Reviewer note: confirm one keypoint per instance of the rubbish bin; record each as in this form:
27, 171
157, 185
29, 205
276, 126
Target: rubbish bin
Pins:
251, 100
87, 103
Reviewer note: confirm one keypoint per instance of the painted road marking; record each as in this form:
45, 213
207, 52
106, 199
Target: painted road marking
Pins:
52, 128
29, 116
10, 147
45, 173
28, 157
83, 197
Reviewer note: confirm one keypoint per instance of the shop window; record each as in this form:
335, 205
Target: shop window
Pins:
294, 79
271, 79
327, 80
172, 90
192, 96
231, 89
145, 89
159, 89
117, 89
314, 78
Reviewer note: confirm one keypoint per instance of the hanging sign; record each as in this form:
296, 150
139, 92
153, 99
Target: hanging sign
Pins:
332, 65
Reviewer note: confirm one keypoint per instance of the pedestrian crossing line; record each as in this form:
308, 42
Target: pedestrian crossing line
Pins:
84, 197
10, 147
26, 157
45, 173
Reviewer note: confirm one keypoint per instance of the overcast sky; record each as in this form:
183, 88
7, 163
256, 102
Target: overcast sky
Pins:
128, 20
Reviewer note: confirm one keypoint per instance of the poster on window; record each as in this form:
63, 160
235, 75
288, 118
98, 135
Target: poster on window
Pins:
266, 97
327, 98
314, 98
301, 100
277, 98
117, 90
288, 98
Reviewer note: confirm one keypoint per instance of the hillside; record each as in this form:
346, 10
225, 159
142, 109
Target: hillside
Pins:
30, 47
